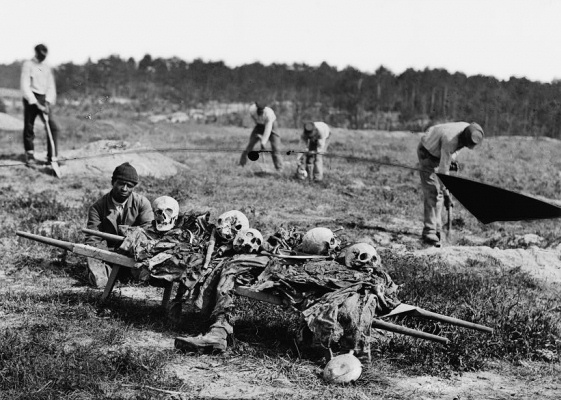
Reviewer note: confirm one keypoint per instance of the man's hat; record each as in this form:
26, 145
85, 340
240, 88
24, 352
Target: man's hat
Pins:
260, 107
125, 172
41, 49
474, 133
309, 127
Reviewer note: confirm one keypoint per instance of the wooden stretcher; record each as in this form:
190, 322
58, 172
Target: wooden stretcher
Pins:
119, 260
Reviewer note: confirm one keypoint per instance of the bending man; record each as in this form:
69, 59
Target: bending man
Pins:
316, 139
437, 150
265, 130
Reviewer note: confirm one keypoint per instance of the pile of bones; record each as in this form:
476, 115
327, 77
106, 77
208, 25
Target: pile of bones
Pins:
338, 290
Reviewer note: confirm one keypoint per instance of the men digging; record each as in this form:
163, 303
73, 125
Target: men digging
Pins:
315, 138
39, 94
121, 206
265, 130
437, 151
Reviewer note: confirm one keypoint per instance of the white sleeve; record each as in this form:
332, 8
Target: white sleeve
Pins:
270, 117
50, 96
25, 83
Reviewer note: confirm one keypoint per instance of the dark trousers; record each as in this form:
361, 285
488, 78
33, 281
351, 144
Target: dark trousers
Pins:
30, 112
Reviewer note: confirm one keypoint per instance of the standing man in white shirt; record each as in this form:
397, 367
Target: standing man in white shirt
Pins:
39, 94
437, 151
315, 138
265, 130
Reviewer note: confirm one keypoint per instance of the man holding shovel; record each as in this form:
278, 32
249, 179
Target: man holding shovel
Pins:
437, 152
39, 94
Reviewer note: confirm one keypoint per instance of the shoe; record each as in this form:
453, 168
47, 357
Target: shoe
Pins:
202, 343
97, 273
30, 159
431, 238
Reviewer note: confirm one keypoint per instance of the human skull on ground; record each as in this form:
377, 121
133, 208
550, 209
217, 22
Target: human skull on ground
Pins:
230, 223
361, 256
301, 173
166, 211
320, 241
248, 241
344, 368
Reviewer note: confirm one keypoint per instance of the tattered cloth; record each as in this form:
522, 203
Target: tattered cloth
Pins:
176, 255
337, 303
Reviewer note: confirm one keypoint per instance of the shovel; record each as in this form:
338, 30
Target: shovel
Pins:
54, 162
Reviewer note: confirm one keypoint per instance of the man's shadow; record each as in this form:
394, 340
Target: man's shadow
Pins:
14, 160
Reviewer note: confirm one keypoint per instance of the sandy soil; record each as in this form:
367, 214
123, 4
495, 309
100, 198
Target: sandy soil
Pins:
9, 123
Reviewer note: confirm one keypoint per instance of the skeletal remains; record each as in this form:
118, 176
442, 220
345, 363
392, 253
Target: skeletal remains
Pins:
360, 256
319, 241
248, 241
230, 223
166, 211
233, 227
344, 368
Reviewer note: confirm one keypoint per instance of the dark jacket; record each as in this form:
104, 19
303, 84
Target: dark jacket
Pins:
137, 212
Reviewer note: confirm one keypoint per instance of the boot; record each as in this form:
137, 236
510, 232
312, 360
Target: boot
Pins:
213, 341
432, 239
98, 273
30, 159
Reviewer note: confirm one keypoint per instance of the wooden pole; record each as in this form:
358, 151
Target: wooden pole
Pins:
451, 320
83, 249
103, 235
407, 331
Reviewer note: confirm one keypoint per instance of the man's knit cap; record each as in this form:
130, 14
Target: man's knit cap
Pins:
125, 172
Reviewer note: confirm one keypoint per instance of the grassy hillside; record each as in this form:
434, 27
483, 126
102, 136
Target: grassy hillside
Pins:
57, 341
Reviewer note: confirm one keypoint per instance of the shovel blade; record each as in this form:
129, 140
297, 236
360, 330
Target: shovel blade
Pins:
490, 203
56, 169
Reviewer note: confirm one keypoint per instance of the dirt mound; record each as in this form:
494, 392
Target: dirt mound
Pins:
543, 264
103, 156
9, 123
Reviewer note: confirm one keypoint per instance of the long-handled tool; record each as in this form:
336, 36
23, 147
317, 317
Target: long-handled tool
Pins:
54, 162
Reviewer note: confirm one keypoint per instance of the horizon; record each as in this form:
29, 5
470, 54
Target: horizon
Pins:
500, 39
372, 72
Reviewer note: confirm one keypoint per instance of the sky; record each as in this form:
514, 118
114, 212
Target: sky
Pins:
500, 38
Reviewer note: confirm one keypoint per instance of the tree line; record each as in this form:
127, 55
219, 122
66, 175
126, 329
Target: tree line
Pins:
348, 97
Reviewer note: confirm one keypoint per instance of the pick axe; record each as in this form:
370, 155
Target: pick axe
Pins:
54, 162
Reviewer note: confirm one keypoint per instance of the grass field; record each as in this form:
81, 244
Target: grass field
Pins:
58, 342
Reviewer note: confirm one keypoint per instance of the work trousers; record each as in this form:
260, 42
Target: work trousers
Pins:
275, 141
30, 113
432, 191
314, 162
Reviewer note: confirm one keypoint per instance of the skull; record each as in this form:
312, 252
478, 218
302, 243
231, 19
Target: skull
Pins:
248, 241
360, 256
301, 173
230, 223
319, 241
166, 210
344, 368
